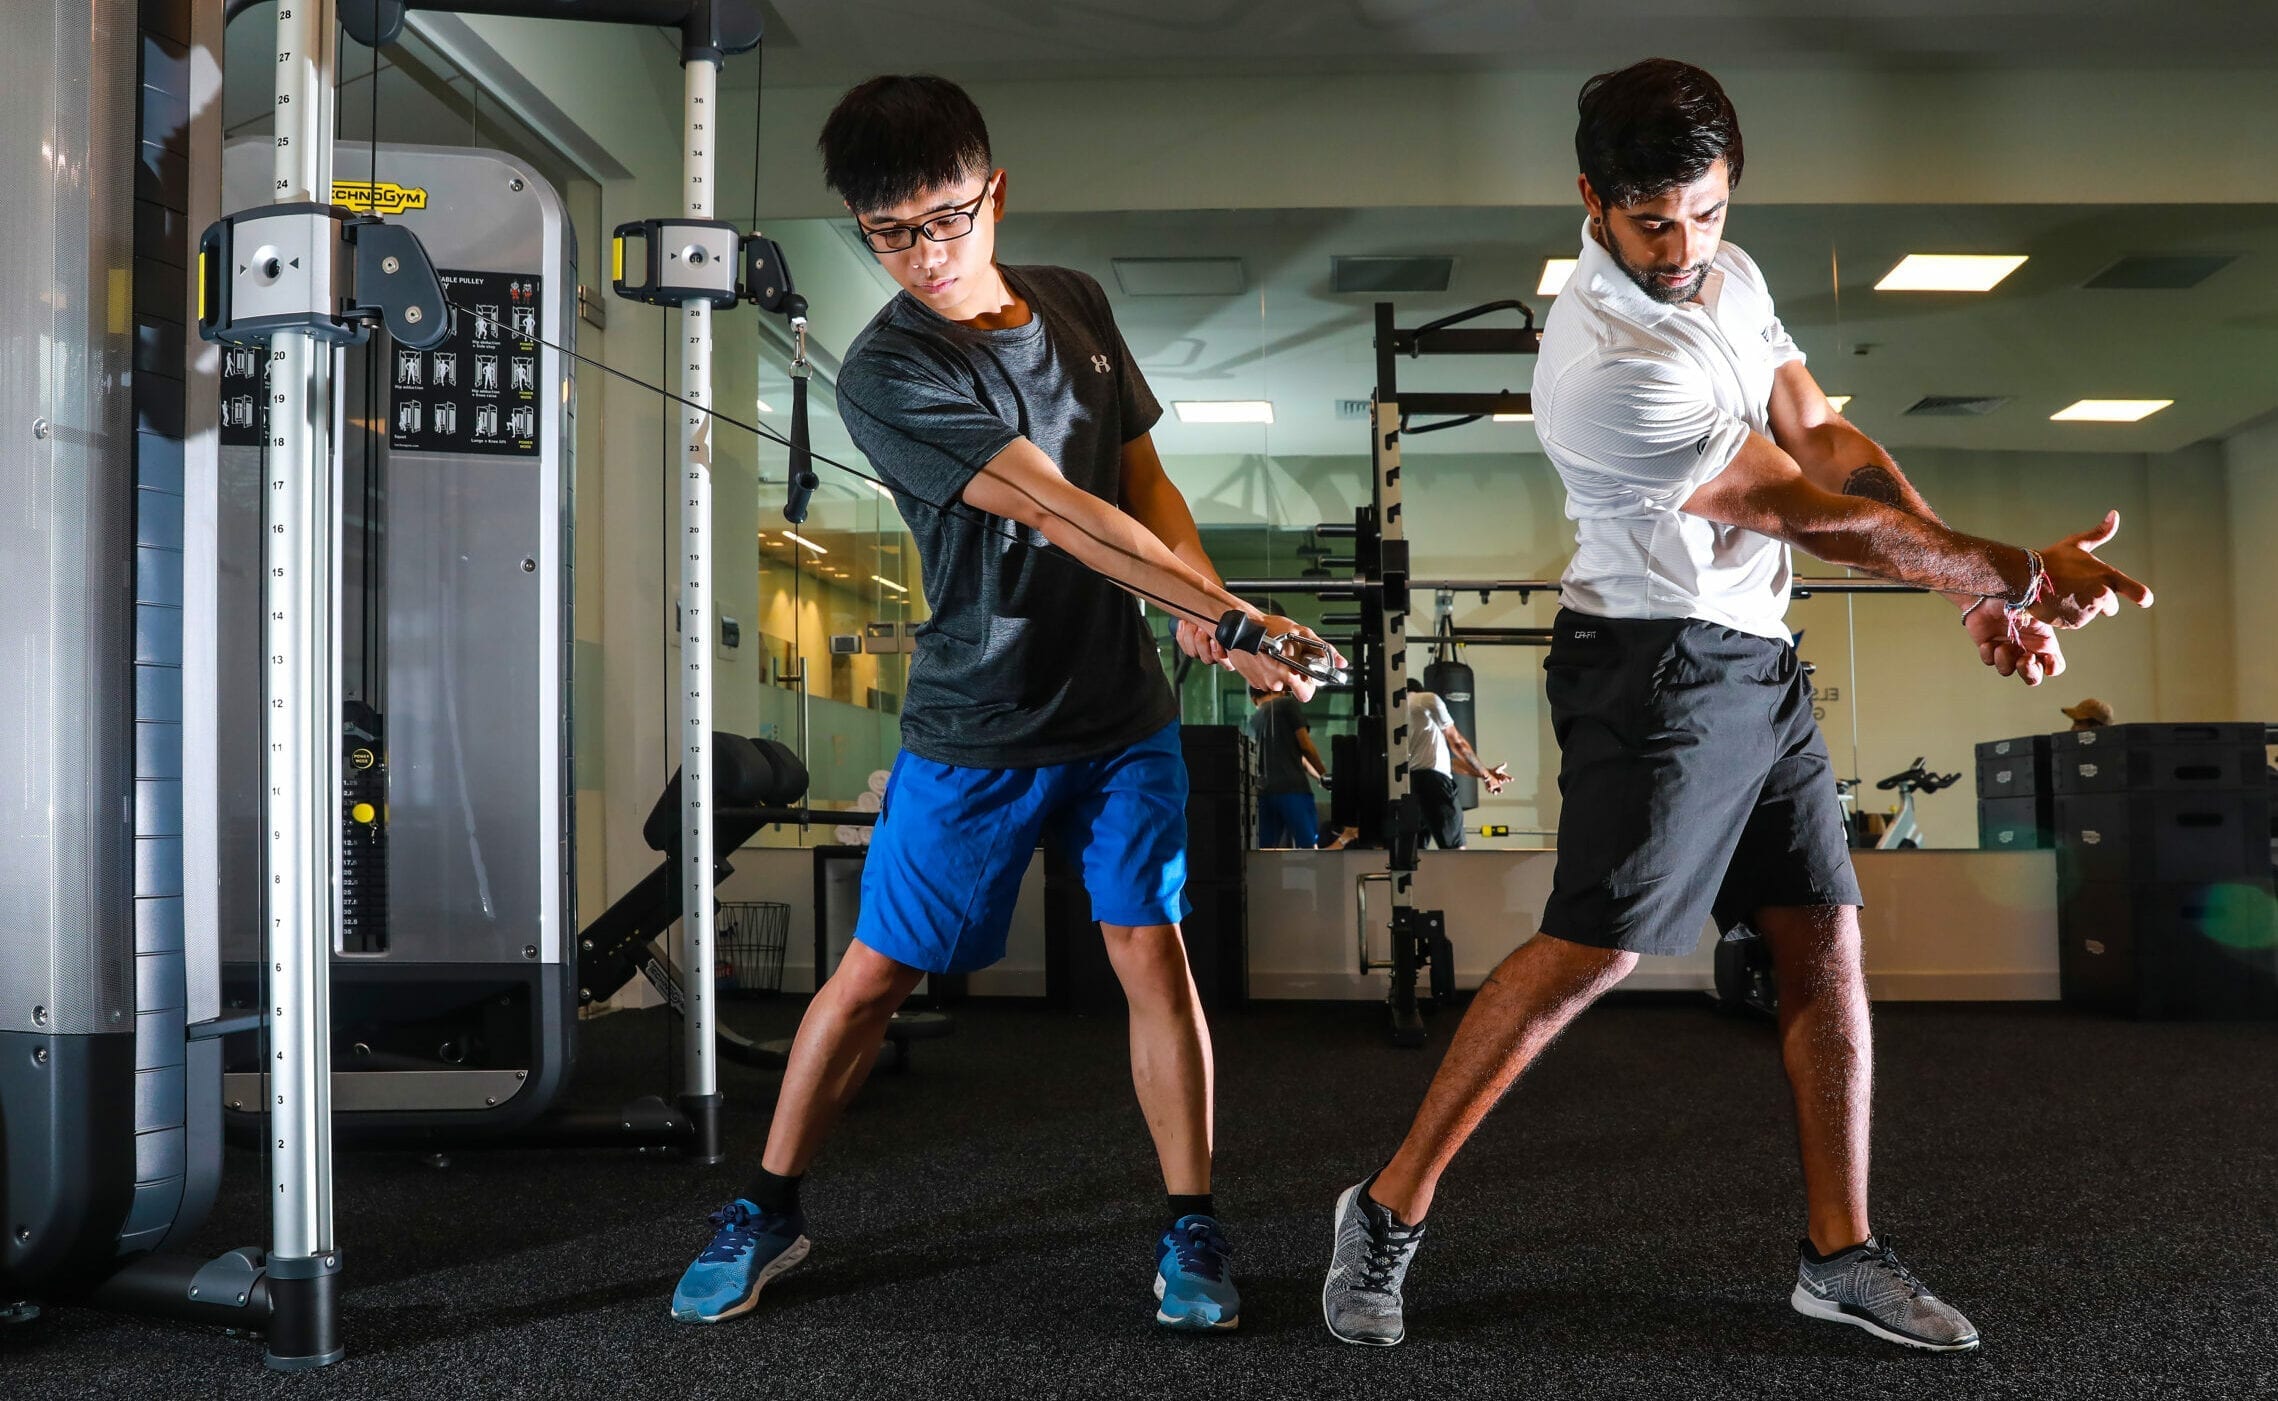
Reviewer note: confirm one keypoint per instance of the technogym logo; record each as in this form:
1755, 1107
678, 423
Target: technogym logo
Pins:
384, 198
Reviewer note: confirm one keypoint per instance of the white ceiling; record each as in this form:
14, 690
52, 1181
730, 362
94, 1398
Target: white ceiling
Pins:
842, 41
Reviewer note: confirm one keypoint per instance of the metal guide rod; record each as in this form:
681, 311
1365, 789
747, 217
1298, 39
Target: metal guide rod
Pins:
701, 1073
301, 736
1334, 586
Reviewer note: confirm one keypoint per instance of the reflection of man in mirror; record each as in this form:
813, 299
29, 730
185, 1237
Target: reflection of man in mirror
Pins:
1288, 763
2090, 714
1437, 752
1696, 450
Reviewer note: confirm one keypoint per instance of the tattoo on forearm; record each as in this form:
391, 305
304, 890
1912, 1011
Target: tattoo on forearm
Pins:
1875, 482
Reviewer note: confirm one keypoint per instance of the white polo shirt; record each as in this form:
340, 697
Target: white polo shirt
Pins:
1638, 403
1428, 724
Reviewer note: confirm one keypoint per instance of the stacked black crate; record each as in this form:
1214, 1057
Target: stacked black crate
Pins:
2165, 899
1221, 813
2015, 805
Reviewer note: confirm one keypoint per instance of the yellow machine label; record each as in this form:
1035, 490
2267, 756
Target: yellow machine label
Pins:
384, 198
617, 260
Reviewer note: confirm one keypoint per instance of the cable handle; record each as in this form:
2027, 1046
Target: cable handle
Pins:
1239, 632
1309, 657
803, 480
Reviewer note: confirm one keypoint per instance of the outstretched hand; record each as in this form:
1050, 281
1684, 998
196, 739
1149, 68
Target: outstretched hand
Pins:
2080, 586
1497, 777
2015, 644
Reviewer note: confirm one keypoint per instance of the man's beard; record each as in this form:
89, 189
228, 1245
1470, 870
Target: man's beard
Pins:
1648, 279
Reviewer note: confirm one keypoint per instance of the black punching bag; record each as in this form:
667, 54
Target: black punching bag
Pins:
1451, 682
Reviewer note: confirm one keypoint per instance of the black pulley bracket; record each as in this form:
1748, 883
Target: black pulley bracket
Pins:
318, 269
676, 262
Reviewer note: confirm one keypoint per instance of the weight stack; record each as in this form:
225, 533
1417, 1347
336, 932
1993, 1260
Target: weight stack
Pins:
2166, 906
1221, 814
2016, 807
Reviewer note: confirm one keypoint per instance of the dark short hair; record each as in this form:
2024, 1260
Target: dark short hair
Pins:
1652, 127
898, 135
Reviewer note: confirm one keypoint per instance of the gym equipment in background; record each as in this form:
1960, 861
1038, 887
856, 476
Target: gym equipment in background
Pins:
2016, 806
1221, 816
109, 1067
1901, 827
2165, 902
455, 978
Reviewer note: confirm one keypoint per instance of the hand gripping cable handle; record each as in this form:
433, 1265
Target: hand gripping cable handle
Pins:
1307, 656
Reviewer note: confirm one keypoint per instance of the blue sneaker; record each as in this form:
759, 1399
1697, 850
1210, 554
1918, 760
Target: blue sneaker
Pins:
1194, 1279
750, 1247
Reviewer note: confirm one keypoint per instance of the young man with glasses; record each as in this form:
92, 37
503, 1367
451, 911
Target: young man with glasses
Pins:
1003, 408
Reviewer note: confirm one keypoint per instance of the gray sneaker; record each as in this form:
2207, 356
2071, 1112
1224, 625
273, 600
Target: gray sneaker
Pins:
1868, 1288
1360, 1301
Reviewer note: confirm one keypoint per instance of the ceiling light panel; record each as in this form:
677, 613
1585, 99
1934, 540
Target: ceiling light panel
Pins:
1223, 410
1180, 277
1950, 272
2109, 410
1555, 271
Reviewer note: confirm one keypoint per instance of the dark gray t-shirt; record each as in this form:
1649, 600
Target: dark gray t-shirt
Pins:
1026, 661
1281, 764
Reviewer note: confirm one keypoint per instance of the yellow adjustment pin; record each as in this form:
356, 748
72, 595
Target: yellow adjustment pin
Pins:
363, 812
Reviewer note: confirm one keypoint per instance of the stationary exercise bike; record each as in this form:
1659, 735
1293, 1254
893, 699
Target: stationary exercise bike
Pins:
1900, 827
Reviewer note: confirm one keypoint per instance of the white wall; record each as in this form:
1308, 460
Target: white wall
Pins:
1957, 926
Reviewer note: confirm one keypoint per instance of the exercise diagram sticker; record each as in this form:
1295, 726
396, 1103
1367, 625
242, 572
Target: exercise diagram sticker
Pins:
478, 390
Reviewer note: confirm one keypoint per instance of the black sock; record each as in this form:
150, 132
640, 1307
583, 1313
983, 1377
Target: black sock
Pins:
1370, 1204
1811, 1252
769, 1192
1198, 1205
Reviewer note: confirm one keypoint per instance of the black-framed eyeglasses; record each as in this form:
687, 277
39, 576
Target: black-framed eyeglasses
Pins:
941, 228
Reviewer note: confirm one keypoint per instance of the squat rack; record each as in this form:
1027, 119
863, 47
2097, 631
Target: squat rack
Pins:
1383, 588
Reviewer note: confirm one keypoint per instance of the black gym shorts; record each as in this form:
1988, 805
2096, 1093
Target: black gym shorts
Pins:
1438, 808
1695, 783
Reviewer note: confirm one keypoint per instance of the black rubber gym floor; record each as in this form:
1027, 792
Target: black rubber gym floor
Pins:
2101, 1197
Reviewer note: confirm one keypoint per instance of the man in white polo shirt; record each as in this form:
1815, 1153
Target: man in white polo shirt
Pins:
1696, 450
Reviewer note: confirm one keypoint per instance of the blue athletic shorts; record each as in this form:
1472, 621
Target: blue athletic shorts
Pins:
952, 844
1288, 819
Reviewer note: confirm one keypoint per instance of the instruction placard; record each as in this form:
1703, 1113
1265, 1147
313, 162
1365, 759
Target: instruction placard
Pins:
476, 392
